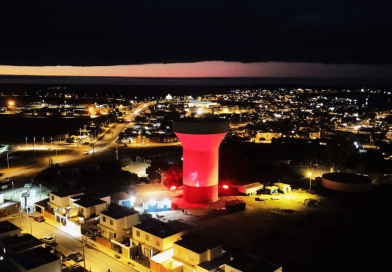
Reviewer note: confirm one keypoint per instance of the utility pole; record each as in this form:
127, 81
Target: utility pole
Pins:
84, 255
116, 154
8, 162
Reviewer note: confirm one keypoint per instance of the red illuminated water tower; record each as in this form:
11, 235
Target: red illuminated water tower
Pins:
200, 139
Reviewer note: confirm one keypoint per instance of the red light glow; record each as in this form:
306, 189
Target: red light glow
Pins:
200, 168
173, 188
225, 187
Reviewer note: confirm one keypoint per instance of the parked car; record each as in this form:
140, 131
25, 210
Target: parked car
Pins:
39, 219
76, 256
48, 239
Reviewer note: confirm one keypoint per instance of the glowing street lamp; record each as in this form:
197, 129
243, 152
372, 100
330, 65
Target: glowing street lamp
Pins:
310, 181
11, 103
225, 187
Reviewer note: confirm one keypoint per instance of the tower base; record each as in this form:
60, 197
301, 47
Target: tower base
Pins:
200, 194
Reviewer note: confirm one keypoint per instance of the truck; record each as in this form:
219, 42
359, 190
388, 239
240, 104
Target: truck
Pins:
251, 189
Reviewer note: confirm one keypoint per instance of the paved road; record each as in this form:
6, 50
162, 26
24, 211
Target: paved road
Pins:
105, 143
97, 261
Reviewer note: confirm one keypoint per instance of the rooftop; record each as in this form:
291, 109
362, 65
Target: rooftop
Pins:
161, 229
215, 263
157, 196
21, 243
62, 193
35, 258
197, 244
117, 212
6, 226
89, 202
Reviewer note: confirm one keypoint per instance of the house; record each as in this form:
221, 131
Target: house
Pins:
123, 198
155, 236
7, 229
89, 207
16, 244
266, 136
117, 221
193, 251
34, 260
156, 201
61, 201
248, 263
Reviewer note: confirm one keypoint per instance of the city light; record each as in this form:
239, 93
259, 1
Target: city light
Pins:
225, 187
173, 188
309, 174
152, 202
11, 103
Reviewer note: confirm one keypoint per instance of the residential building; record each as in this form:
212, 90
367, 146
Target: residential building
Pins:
192, 251
7, 229
156, 236
156, 201
117, 221
248, 263
90, 207
35, 260
61, 201
123, 198
16, 244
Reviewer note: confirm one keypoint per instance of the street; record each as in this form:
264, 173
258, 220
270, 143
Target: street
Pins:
97, 261
66, 156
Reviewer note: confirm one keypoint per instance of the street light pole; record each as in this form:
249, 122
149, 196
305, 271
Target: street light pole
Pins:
13, 189
8, 162
34, 148
310, 181
116, 154
26, 141
43, 143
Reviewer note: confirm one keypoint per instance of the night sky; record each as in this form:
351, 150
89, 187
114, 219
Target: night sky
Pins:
278, 38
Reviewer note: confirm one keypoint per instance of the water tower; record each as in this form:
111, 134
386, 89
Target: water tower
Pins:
200, 139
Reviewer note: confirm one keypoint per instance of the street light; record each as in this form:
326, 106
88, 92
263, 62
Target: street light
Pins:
34, 148
310, 181
43, 144
13, 189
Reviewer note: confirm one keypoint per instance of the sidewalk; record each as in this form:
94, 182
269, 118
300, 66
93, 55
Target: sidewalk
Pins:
104, 250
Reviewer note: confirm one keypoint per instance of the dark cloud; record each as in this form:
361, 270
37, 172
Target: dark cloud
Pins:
88, 33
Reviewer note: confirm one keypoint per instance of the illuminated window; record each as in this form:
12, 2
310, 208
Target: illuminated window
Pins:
58, 199
191, 256
158, 243
147, 238
138, 233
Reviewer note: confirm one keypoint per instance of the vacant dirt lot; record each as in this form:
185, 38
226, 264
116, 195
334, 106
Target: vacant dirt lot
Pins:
346, 233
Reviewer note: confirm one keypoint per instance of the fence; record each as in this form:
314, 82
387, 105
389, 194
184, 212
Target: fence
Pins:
103, 242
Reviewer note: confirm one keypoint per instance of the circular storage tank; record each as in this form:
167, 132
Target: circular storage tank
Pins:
346, 182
